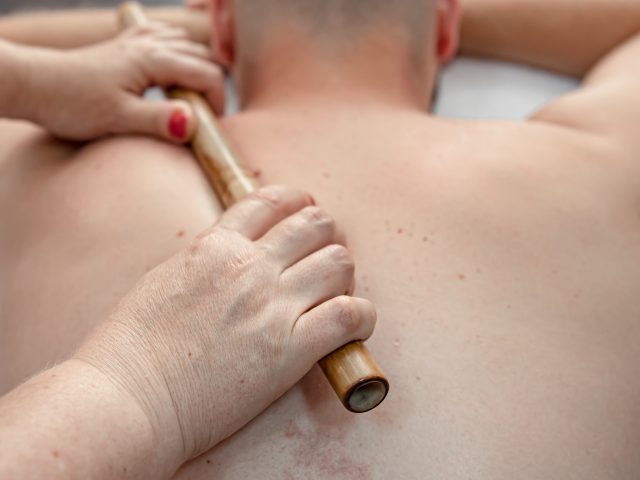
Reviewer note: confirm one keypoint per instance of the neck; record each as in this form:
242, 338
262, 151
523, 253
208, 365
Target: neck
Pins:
374, 71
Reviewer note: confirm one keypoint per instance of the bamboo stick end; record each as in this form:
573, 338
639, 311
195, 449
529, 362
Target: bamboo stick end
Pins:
367, 395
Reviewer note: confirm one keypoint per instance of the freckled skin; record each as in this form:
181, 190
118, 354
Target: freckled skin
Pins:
478, 335
527, 369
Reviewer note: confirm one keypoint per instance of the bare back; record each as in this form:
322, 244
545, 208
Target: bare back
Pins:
503, 259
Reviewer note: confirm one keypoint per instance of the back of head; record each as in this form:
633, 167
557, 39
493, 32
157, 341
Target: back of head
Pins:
265, 38
335, 25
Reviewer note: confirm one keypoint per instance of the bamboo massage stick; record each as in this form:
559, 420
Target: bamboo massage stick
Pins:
351, 370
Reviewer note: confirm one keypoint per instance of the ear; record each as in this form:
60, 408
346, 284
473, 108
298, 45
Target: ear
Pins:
223, 36
449, 16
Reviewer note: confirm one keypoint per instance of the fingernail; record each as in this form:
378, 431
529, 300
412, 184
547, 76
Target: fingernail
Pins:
178, 125
312, 200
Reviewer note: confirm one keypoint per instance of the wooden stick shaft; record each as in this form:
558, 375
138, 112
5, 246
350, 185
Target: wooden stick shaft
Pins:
351, 370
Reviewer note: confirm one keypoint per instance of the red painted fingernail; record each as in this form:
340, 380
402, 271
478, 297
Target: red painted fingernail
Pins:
312, 200
178, 125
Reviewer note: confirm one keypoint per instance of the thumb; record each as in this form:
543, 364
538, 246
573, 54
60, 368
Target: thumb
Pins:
171, 120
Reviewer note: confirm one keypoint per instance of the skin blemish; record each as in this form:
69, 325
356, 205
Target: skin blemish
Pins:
190, 354
425, 239
320, 452
462, 276
400, 231
55, 453
292, 430
319, 446
208, 462
257, 173
326, 175
181, 234
383, 419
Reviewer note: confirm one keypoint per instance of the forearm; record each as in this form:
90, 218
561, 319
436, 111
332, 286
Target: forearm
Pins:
71, 422
30, 72
74, 28
567, 36
14, 83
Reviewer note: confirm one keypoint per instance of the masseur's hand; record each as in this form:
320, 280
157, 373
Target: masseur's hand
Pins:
90, 92
209, 339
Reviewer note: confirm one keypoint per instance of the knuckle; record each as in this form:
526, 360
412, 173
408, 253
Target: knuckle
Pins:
211, 240
342, 257
224, 249
202, 243
346, 315
270, 197
319, 218
144, 46
137, 30
215, 72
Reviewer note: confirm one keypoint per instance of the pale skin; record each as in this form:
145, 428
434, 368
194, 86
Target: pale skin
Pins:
502, 256
70, 29
84, 93
187, 359
208, 339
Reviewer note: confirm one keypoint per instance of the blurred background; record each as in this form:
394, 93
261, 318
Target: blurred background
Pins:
17, 5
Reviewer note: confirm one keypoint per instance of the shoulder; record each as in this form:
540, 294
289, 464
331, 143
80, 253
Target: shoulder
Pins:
608, 104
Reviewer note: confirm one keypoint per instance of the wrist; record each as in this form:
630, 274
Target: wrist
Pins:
141, 448
74, 416
125, 362
13, 88
24, 89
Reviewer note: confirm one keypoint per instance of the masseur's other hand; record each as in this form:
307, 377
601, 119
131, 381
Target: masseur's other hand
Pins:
209, 339
95, 91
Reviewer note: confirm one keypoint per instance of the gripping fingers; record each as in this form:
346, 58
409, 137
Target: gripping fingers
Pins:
190, 72
163, 30
258, 213
300, 235
325, 274
332, 325
185, 47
